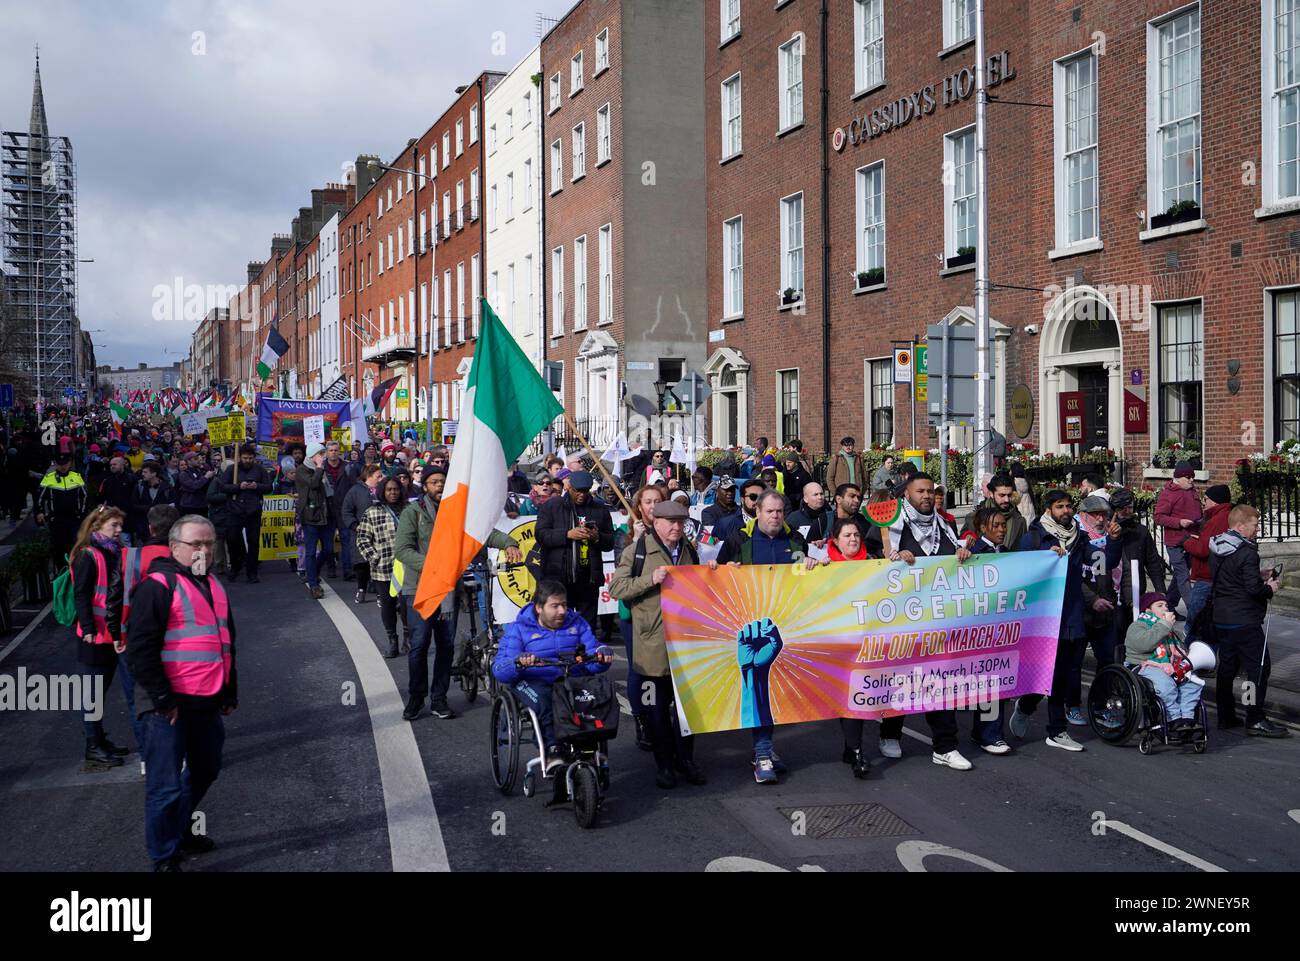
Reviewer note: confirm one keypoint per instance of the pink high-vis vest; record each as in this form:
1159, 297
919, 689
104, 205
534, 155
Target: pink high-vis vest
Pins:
99, 602
196, 645
135, 564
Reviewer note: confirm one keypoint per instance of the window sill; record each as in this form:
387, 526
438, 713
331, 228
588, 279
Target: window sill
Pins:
604, 323
579, 330
1070, 250
601, 163
1190, 227
553, 110
790, 129
781, 3
556, 191
735, 156
599, 71
949, 271
959, 45
1277, 209
732, 319
798, 303
869, 290
577, 178
869, 90
730, 40
574, 93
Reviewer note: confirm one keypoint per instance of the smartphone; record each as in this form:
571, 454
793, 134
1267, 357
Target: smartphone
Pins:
1277, 572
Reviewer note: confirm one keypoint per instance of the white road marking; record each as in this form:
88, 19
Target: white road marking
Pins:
12, 645
1294, 815
918, 735
414, 835
912, 855
623, 704
1161, 846
735, 864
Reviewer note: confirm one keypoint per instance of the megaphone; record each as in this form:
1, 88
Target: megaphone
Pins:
1203, 658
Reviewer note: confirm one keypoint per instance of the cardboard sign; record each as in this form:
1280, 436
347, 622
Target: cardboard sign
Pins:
313, 429
228, 430
343, 435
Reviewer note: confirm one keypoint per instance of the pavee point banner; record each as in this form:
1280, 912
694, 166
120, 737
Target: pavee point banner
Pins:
759, 645
282, 420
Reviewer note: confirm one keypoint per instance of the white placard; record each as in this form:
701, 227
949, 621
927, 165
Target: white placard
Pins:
313, 429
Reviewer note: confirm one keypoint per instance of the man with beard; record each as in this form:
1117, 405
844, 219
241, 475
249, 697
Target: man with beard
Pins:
723, 506
748, 510
1001, 495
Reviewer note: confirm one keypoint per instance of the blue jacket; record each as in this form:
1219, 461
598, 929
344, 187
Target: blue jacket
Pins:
1037, 539
526, 636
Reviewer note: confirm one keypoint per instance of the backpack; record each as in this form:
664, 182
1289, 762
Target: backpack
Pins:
585, 704
64, 602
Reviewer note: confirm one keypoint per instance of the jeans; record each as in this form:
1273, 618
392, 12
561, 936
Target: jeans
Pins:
313, 535
237, 528
345, 550
361, 570
635, 694
1240, 652
1102, 640
1181, 586
1066, 650
943, 729
1199, 594
1180, 699
181, 762
665, 731
138, 725
425, 630
537, 695
95, 729
763, 746
390, 608
988, 731
584, 597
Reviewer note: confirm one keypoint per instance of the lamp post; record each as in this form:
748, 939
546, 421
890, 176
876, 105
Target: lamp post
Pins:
36, 311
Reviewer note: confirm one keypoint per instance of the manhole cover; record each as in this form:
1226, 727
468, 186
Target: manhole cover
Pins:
828, 821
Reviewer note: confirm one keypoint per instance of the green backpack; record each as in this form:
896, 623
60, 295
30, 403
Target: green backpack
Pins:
64, 604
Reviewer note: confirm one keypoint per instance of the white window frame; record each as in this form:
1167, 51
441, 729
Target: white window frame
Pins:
605, 253
460, 136
446, 214
602, 135
473, 123
950, 198
557, 166
460, 301
492, 208
958, 22
492, 139
473, 194
731, 112
1271, 94
510, 284
579, 156
510, 197
446, 307
446, 149
780, 402
528, 184
528, 109
1156, 187
602, 52
460, 204
789, 91
868, 44
733, 268
475, 308
789, 252
555, 94
557, 291
1062, 99
729, 19
529, 305
575, 74
580, 282
868, 365
871, 220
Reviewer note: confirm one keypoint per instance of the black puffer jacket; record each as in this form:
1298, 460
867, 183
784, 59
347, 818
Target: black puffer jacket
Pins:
1240, 594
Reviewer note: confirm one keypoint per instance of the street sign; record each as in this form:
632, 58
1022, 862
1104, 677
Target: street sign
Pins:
403, 402
1022, 411
6, 396
1135, 410
702, 390
922, 373
902, 365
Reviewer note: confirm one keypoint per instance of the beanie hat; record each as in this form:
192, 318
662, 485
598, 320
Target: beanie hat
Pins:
1219, 493
1150, 597
313, 449
1184, 469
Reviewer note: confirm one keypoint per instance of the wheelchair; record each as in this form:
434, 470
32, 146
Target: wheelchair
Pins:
583, 775
1123, 704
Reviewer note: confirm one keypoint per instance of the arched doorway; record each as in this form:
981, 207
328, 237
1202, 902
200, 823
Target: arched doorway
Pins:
1081, 351
728, 374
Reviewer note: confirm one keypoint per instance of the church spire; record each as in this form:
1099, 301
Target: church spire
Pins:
38, 126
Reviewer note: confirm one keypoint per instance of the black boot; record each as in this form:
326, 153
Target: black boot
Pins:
392, 647
98, 757
413, 708
112, 748
860, 765
406, 646
642, 735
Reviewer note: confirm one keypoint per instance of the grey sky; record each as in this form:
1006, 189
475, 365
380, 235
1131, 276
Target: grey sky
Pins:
186, 163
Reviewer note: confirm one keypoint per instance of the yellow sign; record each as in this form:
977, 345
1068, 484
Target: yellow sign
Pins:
923, 373
518, 583
224, 431
402, 405
343, 435
269, 452
1022, 411
436, 437
917, 457
277, 541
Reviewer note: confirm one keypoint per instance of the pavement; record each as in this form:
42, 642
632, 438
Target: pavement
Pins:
321, 774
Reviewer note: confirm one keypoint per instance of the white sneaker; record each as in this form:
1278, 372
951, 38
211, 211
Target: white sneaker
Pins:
1064, 742
952, 759
891, 747
998, 747
142, 768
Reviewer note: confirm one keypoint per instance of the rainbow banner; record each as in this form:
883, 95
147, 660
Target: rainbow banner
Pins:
759, 645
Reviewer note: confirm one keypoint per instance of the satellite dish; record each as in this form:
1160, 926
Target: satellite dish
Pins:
642, 405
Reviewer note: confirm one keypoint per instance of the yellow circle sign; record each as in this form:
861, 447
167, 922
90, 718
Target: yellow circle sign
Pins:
1022, 411
518, 583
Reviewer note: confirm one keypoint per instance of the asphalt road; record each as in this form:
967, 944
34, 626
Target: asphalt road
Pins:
306, 788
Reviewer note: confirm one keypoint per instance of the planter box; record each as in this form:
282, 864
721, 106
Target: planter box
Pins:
961, 260
1168, 220
1167, 473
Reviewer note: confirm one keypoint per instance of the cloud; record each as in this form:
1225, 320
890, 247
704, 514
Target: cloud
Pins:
199, 128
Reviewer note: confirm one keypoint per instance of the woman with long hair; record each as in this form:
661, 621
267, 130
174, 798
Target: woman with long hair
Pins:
848, 544
96, 565
640, 524
376, 540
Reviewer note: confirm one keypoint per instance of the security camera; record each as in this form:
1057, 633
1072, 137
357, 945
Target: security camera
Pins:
1031, 329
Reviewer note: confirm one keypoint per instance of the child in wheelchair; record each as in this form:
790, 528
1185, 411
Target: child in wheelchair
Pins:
546, 630
1154, 646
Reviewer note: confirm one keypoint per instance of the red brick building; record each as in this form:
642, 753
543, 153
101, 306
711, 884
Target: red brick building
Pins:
1142, 192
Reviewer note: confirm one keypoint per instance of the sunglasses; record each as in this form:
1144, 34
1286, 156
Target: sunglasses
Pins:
751, 497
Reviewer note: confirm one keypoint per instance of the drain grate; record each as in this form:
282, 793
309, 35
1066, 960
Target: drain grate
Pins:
823, 822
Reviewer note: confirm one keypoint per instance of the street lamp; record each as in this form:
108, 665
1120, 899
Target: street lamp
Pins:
36, 310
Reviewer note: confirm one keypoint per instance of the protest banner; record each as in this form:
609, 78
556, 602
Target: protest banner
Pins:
514, 587
767, 644
282, 420
276, 542
343, 435
193, 424
269, 453
223, 431
313, 429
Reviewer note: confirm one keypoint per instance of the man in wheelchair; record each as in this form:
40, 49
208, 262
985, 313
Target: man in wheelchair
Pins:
1151, 644
547, 629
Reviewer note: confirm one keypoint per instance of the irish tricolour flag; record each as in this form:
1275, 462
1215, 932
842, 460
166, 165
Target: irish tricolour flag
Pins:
276, 347
506, 405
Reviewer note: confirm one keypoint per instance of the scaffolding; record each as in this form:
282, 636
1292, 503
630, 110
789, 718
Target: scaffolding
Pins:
38, 249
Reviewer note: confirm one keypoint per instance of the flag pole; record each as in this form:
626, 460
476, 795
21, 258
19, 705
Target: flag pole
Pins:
618, 490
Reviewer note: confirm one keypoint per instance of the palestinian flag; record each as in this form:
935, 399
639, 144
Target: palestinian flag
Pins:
506, 405
276, 347
378, 397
